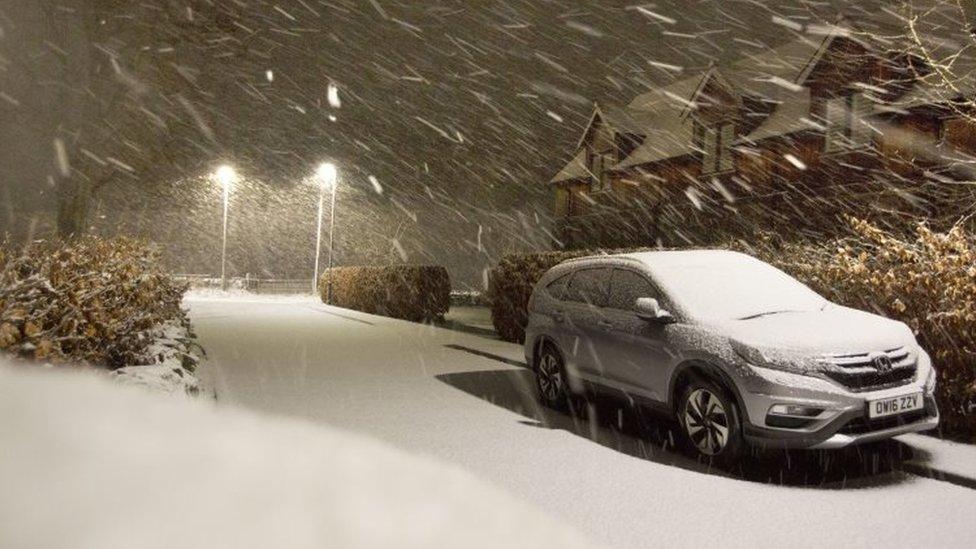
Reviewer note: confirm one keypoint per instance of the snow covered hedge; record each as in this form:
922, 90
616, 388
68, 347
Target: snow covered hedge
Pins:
411, 292
96, 302
928, 282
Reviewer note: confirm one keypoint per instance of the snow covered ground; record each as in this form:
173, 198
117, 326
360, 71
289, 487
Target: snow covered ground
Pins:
87, 464
463, 399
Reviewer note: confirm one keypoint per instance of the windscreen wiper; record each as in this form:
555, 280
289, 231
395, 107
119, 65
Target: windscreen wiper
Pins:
757, 315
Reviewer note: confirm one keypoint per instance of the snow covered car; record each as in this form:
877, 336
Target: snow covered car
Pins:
736, 350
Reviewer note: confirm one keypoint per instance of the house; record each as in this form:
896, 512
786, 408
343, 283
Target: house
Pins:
793, 135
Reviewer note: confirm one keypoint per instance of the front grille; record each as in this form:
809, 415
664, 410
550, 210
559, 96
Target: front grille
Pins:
863, 425
859, 372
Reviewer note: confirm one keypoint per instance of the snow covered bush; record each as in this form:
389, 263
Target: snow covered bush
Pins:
928, 282
418, 293
94, 302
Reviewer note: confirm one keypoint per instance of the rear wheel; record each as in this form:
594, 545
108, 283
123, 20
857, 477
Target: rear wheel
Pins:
550, 377
710, 421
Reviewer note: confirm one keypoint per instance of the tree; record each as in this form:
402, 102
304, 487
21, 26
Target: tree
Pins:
943, 34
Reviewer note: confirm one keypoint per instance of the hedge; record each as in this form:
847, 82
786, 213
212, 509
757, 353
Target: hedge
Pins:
89, 301
419, 293
927, 281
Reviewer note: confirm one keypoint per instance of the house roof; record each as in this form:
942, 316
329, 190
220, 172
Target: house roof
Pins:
575, 169
629, 120
776, 75
654, 115
666, 141
658, 114
792, 114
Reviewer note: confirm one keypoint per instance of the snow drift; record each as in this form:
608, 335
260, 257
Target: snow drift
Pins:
89, 464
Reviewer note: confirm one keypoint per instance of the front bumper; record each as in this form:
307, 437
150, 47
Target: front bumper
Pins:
847, 429
844, 420
841, 440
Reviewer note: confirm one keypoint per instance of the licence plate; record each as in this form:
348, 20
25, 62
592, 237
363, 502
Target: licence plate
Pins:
895, 405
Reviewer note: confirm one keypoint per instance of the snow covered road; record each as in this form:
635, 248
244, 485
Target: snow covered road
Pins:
442, 393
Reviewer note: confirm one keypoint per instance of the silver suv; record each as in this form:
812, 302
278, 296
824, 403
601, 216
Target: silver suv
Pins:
738, 351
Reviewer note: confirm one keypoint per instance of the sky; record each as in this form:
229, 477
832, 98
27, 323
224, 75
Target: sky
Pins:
452, 115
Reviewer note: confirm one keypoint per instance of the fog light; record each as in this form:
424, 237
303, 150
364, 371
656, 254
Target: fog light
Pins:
794, 410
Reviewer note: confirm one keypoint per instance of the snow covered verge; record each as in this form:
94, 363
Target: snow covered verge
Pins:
86, 464
171, 359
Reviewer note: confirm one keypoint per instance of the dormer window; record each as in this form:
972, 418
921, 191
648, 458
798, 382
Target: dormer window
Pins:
715, 142
846, 119
601, 158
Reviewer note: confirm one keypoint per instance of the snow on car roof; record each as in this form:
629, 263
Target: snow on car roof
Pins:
679, 258
675, 258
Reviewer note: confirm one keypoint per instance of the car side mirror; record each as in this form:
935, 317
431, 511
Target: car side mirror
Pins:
647, 308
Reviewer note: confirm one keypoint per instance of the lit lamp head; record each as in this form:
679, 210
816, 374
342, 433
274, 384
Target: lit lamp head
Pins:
326, 175
226, 176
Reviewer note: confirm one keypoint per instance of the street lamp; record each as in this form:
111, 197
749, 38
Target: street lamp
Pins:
226, 176
327, 178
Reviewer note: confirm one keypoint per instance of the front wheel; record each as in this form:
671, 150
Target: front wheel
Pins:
710, 421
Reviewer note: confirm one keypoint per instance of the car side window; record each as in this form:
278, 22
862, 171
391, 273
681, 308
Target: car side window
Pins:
557, 288
626, 286
589, 286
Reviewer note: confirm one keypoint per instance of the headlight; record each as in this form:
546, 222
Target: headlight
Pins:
776, 359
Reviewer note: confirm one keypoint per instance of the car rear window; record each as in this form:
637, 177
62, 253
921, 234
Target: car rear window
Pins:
557, 288
589, 286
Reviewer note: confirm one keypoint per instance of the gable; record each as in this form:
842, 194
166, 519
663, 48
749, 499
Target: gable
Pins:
714, 95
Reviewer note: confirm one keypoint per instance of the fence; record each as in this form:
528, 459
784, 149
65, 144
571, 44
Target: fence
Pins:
280, 286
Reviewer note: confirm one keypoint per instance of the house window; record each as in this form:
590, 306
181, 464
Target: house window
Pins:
847, 122
599, 162
574, 203
716, 145
726, 136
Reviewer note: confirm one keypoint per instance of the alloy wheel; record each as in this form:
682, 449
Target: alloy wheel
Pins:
550, 377
706, 422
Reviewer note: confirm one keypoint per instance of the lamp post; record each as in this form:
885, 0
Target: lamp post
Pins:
327, 178
226, 176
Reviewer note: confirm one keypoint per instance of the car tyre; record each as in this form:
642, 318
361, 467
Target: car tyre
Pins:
550, 378
710, 421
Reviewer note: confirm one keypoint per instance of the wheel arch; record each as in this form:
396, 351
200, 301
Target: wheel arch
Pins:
686, 371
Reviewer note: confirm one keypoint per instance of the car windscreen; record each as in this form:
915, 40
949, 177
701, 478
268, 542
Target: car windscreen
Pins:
734, 288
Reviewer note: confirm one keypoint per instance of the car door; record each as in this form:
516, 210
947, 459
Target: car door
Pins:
561, 331
635, 351
584, 300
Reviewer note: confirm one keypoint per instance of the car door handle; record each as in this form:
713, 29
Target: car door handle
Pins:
605, 324
558, 317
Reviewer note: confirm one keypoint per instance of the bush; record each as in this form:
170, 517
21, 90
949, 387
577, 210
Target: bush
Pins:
90, 301
928, 282
418, 293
